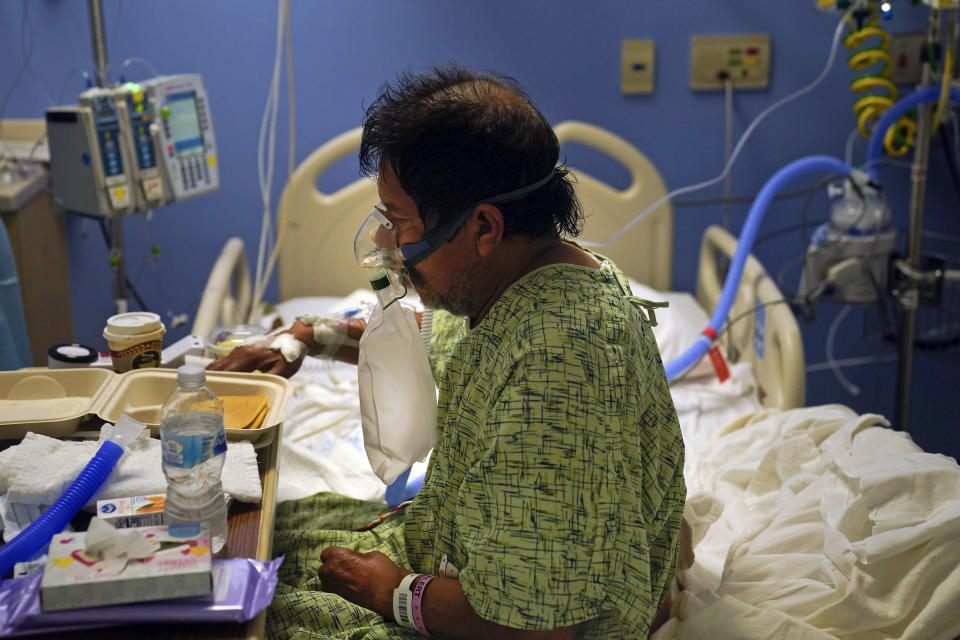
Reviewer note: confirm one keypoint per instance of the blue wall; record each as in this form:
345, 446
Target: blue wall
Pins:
565, 53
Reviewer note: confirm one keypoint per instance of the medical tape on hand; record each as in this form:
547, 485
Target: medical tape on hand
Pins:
289, 347
334, 335
418, 592
403, 601
330, 333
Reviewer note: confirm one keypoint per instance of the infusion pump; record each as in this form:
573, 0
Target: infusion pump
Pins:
133, 147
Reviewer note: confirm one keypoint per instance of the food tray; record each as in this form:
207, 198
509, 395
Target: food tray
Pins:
53, 402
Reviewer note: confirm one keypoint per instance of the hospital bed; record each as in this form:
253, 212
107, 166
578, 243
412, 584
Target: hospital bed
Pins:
806, 522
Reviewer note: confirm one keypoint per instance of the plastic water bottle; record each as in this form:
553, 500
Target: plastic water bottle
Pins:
194, 447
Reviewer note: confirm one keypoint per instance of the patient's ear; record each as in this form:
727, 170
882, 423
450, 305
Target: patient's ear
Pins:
487, 226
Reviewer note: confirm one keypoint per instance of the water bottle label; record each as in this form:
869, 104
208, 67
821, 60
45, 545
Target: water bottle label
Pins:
186, 451
220, 444
185, 529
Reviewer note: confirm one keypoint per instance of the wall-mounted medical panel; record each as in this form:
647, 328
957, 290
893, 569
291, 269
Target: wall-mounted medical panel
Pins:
743, 58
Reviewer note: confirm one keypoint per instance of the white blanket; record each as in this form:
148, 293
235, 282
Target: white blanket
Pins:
829, 518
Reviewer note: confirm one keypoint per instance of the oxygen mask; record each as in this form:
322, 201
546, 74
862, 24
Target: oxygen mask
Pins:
398, 402
375, 249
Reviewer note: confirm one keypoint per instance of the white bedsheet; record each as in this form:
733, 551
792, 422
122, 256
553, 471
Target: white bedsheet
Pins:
829, 518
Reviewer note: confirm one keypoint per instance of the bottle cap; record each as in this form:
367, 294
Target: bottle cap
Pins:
191, 376
61, 356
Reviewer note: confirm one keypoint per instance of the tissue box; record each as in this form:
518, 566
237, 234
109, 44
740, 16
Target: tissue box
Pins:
181, 568
139, 511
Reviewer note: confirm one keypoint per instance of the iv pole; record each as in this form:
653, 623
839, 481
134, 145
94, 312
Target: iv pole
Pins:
909, 293
99, 40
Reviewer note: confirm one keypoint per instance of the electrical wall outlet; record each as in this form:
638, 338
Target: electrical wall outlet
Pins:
905, 53
637, 66
744, 58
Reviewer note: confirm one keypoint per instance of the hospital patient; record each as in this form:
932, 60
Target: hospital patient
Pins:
553, 498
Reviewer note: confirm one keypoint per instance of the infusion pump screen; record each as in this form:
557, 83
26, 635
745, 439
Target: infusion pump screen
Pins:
184, 124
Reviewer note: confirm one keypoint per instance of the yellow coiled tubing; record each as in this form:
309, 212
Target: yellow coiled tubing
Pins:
871, 58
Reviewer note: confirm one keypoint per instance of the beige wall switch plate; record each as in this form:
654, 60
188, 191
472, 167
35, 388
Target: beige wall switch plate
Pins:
637, 66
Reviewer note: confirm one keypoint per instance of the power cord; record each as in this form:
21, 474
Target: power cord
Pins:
727, 143
851, 388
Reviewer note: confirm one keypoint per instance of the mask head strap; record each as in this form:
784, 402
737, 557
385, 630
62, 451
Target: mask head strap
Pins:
416, 252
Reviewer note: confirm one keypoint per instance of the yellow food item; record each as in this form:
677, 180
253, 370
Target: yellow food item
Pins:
258, 421
242, 412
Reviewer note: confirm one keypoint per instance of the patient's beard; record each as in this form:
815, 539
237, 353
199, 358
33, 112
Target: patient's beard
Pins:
461, 297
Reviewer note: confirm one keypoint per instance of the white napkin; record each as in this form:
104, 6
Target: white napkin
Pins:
39, 469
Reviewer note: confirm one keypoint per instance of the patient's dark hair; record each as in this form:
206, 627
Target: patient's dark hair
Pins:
454, 137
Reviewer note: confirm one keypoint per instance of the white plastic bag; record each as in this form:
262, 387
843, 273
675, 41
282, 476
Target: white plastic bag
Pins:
398, 398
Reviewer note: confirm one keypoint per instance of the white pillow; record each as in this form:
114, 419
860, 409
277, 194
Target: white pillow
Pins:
678, 326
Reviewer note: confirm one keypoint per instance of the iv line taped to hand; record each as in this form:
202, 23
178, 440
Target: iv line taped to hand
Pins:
330, 332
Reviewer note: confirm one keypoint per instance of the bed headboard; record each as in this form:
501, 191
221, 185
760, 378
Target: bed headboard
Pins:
769, 338
645, 252
317, 253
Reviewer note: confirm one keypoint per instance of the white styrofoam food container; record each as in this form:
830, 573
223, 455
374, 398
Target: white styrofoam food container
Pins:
53, 402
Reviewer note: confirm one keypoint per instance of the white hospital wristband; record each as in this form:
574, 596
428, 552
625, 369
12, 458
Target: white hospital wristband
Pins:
403, 602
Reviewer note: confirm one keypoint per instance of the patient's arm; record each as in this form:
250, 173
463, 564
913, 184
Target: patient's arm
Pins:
255, 358
368, 579
252, 358
350, 329
266, 360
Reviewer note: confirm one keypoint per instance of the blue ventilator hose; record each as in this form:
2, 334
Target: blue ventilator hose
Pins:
890, 117
811, 164
55, 519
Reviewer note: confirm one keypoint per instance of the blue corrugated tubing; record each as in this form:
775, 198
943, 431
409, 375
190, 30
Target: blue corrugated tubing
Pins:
890, 117
55, 519
773, 186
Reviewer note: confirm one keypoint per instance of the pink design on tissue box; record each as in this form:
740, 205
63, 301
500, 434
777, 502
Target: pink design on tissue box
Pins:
80, 556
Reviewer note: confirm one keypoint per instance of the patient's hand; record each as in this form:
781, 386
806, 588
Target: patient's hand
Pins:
254, 358
365, 579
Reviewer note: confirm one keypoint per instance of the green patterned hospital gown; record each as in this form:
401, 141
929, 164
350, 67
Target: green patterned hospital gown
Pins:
556, 485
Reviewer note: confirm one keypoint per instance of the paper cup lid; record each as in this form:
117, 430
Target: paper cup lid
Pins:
128, 324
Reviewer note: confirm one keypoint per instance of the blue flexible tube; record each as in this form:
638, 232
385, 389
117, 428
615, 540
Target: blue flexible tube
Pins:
891, 115
773, 186
54, 519
397, 490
